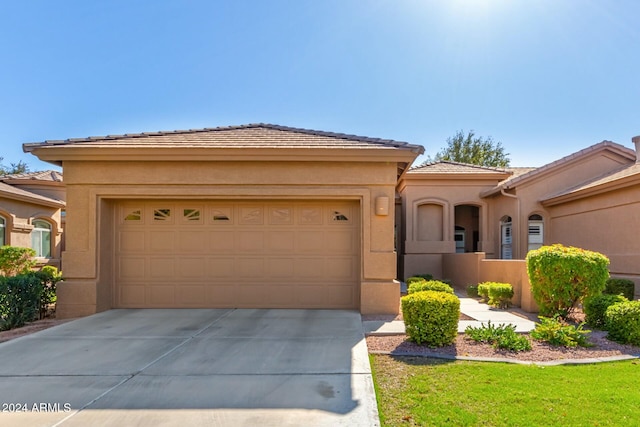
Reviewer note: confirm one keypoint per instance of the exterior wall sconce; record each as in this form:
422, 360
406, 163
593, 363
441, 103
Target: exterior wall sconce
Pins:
382, 206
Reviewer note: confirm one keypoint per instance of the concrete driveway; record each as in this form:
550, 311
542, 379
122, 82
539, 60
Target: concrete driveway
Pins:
191, 367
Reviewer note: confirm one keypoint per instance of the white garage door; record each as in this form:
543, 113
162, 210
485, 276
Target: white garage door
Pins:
258, 254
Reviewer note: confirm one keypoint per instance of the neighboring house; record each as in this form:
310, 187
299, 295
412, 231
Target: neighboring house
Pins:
248, 216
590, 199
32, 213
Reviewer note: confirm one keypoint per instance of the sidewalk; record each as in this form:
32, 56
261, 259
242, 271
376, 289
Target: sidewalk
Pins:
482, 313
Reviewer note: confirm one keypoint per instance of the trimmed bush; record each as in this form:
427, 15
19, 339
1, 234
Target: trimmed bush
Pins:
595, 307
431, 285
425, 276
559, 333
472, 291
483, 291
623, 287
414, 279
16, 260
49, 277
500, 294
622, 320
431, 317
561, 277
19, 300
501, 336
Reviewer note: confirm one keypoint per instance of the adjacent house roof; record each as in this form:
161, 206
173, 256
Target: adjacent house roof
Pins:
48, 175
453, 170
536, 173
11, 192
626, 176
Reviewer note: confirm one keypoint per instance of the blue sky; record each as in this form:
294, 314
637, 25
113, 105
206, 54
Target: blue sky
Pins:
545, 77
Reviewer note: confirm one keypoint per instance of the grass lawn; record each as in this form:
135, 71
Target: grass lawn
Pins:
431, 392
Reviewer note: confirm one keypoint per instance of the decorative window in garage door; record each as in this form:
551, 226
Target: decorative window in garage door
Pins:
221, 215
162, 214
192, 215
132, 214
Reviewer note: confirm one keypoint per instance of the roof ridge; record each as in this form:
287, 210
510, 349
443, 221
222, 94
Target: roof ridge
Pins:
344, 136
471, 165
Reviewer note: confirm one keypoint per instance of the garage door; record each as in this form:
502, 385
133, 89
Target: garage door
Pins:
216, 254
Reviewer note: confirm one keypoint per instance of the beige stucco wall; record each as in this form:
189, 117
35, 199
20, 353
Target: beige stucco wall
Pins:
423, 247
606, 223
470, 269
20, 216
92, 187
530, 193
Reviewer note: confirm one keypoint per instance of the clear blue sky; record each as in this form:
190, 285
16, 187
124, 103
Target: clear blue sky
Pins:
545, 77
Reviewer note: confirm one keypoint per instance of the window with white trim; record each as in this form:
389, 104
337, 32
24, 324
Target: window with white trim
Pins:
506, 238
3, 230
41, 238
536, 232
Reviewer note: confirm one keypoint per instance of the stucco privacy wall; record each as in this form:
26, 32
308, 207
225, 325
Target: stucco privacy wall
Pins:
472, 268
98, 177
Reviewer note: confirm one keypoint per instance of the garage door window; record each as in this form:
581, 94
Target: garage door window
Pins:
162, 214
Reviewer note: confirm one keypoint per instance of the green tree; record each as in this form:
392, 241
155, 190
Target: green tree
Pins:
473, 149
13, 168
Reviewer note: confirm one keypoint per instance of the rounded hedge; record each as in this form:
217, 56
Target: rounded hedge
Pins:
622, 320
500, 294
595, 307
562, 276
624, 287
431, 317
431, 285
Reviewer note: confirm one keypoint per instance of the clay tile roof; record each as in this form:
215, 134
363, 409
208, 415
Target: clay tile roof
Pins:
627, 171
444, 167
258, 135
515, 180
12, 192
48, 175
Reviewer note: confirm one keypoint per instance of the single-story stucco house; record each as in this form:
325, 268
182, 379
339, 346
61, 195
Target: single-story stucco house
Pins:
267, 216
589, 199
246, 216
32, 214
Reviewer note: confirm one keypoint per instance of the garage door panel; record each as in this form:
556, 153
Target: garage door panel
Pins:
251, 267
342, 268
280, 241
250, 241
220, 267
258, 254
161, 296
190, 295
222, 241
132, 296
311, 241
191, 241
309, 268
132, 268
192, 267
162, 268
131, 241
280, 267
161, 241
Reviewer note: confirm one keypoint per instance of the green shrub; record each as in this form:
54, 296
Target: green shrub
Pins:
559, 333
49, 276
595, 307
431, 317
561, 277
15, 260
19, 300
414, 279
501, 336
622, 320
483, 291
623, 287
500, 294
431, 285
472, 291
425, 276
